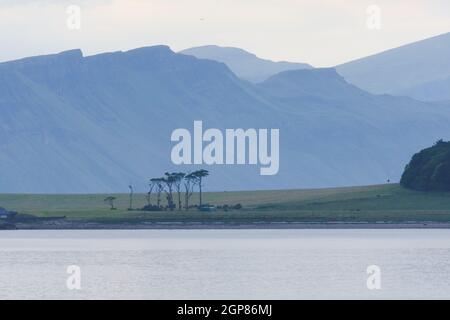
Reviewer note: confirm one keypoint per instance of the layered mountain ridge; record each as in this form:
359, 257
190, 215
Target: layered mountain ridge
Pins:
74, 124
420, 70
244, 64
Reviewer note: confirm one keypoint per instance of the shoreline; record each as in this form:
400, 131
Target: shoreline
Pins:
70, 225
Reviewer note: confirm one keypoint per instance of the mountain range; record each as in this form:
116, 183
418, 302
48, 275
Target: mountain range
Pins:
244, 64
76, 124
420, 70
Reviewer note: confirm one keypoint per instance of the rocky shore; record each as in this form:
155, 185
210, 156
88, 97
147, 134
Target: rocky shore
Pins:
79, 225
7, 226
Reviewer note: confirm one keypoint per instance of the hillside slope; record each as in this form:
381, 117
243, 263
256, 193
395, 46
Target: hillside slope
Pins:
437, 90
94, 124
244, 64
400, 70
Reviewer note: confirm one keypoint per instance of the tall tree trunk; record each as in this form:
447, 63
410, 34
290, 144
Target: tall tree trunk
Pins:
200, 189
131, 200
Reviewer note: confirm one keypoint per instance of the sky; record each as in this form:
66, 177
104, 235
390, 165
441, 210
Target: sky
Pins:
320, 32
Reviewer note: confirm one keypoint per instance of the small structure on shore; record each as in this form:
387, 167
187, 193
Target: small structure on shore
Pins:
207, 208
5, 214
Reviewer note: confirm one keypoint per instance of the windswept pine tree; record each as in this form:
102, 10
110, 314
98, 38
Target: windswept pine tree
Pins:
173, 182
110, 201
199, 175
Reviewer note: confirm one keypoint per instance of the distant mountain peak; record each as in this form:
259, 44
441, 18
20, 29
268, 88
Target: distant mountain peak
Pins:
244, 64
77, 54
404, 69
74, 53
156, 49
64, 56
325, 83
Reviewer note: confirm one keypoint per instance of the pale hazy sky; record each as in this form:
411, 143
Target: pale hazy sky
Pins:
320, 32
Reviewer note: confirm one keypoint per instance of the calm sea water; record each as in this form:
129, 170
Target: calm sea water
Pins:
225, 264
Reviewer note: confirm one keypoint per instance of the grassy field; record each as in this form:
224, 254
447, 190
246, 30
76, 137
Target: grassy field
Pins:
388, 203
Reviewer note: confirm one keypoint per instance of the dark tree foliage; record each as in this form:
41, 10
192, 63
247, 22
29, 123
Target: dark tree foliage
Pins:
429, 170
173, 182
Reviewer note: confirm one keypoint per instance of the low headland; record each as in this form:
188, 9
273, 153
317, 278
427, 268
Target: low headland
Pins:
378, 206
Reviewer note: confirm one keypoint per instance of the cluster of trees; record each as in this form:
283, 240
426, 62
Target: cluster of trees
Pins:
429, 169
177, 186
